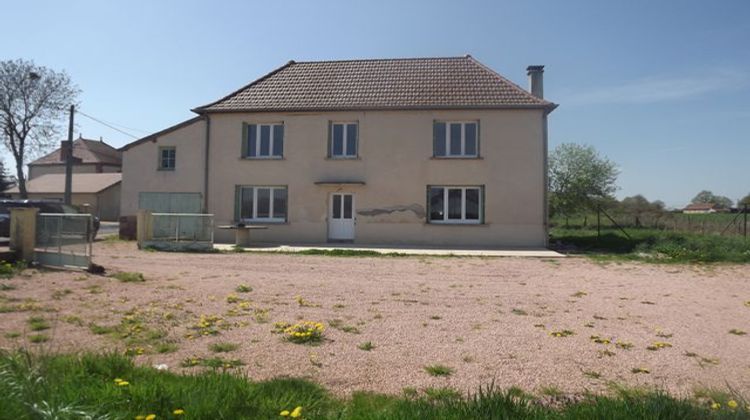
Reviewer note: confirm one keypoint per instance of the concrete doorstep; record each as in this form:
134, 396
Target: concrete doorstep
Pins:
462, 252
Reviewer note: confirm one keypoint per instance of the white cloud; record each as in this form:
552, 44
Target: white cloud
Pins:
658, 89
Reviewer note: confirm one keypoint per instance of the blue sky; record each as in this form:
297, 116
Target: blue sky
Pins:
659, 87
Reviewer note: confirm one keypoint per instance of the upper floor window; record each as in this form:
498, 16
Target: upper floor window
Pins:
455, 204
167, 158
261, 204
263, 141
343, 140
456, 139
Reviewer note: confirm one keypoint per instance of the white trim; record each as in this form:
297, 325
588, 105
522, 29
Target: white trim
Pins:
447, 140
271, 151
344, 146
446, 205
271, 197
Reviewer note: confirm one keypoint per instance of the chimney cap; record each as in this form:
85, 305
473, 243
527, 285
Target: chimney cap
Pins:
535, 69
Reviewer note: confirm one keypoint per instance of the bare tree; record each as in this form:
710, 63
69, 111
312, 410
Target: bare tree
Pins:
33, 101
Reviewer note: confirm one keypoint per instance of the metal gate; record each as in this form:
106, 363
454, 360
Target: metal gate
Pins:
64, 240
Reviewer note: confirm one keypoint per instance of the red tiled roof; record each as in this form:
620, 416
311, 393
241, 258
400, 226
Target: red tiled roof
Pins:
88, 151
700, 206
410, 83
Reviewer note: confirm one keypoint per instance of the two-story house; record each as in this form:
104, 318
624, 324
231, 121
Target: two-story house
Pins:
424, 151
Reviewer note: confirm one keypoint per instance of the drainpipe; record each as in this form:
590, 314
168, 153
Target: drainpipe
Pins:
205, 164
546, 178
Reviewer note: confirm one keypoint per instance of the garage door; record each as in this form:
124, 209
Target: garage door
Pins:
170, 202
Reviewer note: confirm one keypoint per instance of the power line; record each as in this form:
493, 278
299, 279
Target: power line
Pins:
78, 111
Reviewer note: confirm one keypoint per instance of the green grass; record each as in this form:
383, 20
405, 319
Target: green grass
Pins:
656, 246
243, 288
366, 346
223, 347
82, 386
129, 277
38, 338
342, 252
438, 370
37, 323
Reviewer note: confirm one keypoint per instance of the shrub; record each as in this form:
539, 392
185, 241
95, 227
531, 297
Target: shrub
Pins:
129, 277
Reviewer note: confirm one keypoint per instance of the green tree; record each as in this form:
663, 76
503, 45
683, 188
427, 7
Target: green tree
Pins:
745, 201
33, 101
708, 197
579, 178
638, 205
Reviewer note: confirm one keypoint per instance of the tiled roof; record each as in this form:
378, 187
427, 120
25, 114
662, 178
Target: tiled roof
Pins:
701, 206
88, 151
410, 83
82, 183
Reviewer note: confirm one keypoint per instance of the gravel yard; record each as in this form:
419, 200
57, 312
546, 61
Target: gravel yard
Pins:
565, 325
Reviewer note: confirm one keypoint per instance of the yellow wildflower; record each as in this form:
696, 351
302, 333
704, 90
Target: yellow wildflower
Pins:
284, 413
151, 417
296, 412
118, 380
140, 417
715, 406
123, 383
178, 412
732, 404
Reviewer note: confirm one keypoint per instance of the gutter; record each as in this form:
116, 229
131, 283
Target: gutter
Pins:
205, 163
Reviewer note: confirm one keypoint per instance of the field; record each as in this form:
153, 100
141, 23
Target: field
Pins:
557, 329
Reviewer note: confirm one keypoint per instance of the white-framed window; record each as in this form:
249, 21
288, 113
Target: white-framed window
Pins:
343, 140
456, 139
167, 158
263, 141
455, 204
261, 204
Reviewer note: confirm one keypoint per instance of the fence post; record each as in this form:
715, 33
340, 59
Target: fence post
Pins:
144, 230
23, 231
177, 233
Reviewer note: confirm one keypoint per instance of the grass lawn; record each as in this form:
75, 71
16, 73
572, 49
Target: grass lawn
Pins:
655, 245
111, 386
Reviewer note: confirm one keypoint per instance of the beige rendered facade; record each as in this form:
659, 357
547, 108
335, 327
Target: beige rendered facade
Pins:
492, 194
389, 177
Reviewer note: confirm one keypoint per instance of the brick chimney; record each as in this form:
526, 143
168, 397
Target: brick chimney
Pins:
536, 80
65, 150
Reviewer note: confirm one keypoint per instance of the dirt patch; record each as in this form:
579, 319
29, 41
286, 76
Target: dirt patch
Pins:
570, 325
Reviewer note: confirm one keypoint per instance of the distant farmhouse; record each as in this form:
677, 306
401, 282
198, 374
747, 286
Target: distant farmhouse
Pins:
702, 208
97, 169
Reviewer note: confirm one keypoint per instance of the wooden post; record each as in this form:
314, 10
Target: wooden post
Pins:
144, 230
23, 231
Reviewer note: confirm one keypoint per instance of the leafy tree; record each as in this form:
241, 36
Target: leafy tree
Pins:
745, 201
33, 101
5, 181
638, 205
706, 196
579, 178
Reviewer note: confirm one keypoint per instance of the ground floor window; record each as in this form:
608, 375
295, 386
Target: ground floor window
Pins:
261, 204
455, 204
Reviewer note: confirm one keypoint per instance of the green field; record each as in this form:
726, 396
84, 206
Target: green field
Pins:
111, 387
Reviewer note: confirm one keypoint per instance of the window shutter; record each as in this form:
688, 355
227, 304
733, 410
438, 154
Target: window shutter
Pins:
438, 138
429, 210
330, 139
237, 201
479, 145
243, 142
481, 195
278, 140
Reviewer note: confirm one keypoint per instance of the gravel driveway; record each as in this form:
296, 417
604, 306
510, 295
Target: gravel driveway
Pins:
566, 324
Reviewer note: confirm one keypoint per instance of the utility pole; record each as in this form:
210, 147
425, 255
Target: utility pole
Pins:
69, 159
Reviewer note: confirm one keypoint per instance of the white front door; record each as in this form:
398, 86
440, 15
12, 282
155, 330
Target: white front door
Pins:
341, 217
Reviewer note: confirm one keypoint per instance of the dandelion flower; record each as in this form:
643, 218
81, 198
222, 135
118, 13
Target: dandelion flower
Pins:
123, 383
151, 417
296, 412
178, 412
732, 404
140, 417
715, 406
284, 413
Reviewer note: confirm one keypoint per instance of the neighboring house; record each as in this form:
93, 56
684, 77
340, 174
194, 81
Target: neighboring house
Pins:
96, 177
424, 151
702, 208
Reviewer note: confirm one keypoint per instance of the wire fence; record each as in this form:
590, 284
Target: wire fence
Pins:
181, 231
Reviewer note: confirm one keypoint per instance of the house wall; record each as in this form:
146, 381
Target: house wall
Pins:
140, 171
39, 170
395, 163
108, 203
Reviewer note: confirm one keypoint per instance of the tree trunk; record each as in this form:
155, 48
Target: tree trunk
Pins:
21, 180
